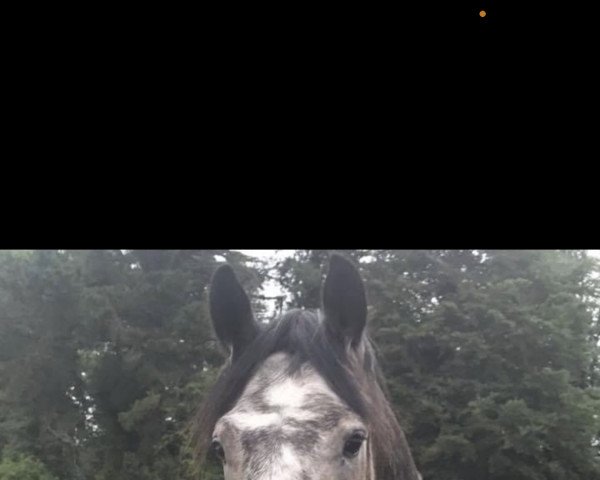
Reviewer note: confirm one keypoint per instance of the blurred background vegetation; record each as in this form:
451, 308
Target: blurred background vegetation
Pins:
491, 357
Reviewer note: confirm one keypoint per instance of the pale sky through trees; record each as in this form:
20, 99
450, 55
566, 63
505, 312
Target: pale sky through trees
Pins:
270, 288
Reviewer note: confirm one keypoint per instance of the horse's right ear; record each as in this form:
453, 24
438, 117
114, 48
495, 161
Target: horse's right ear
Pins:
231, 312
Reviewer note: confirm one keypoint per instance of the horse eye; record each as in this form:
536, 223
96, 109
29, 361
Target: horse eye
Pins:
353, 444
217, 450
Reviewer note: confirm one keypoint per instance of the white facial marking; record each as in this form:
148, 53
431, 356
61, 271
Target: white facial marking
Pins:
252, 420
287, 394
289, 464
293, 408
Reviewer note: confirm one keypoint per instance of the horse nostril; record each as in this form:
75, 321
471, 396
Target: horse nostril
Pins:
353, 444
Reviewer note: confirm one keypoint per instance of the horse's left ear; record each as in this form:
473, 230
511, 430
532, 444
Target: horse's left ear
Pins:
344, 300
231, 312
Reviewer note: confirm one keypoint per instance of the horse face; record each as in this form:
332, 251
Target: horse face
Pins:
306, 400
291, 427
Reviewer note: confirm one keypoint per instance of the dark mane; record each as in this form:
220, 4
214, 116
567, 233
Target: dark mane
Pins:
355, 380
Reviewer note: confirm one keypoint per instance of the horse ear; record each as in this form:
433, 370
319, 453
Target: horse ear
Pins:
230, 311
344, 300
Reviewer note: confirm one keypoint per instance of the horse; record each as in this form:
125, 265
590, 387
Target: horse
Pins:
302, 398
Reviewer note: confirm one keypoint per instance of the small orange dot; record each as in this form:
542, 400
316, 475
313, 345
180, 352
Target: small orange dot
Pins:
482, 13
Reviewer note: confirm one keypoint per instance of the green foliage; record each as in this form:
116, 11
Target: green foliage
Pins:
104, 357
21, 467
